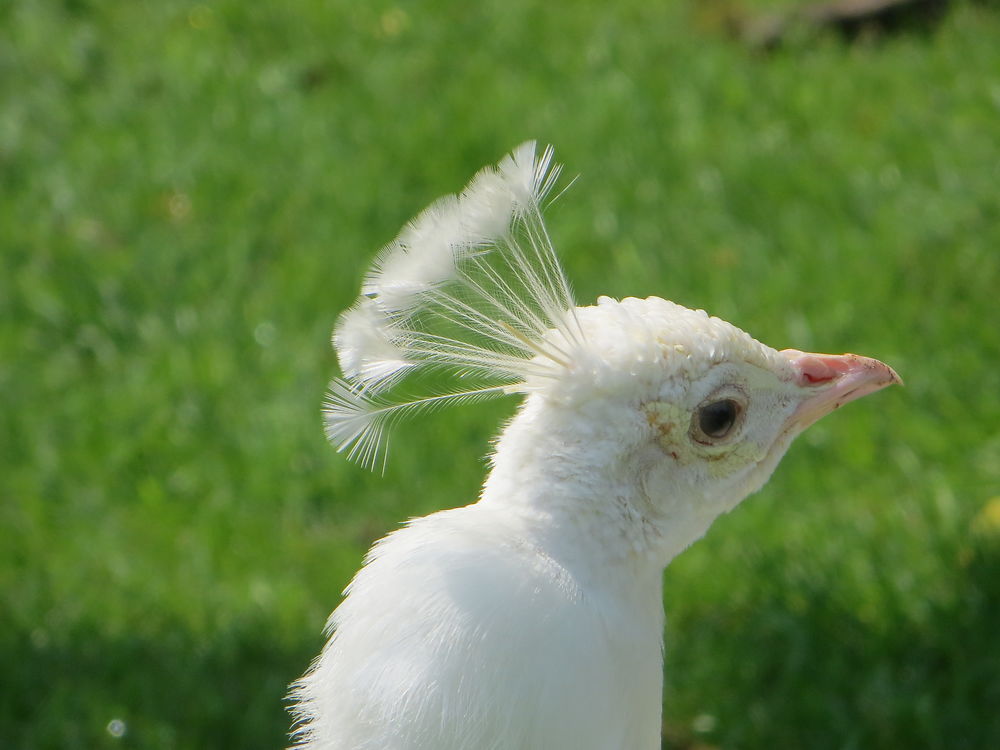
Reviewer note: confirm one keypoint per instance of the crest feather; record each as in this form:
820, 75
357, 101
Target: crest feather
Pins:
366, 344
470, 287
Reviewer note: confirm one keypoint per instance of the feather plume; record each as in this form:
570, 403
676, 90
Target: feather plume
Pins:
365, 340
356, 421
471, 287
425, 255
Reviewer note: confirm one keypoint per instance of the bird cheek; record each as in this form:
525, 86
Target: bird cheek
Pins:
734, 459
670, 448
669, 425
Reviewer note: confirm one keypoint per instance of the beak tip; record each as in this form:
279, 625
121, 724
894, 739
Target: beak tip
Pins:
889, 376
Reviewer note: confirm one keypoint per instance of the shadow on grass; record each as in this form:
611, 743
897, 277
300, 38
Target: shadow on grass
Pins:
814, 674
802, 673
168, 690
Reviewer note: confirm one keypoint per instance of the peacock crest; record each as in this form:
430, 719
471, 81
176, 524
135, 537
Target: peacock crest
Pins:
469, 290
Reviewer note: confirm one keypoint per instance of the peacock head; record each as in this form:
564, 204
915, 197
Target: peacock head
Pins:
686, 405
695, 409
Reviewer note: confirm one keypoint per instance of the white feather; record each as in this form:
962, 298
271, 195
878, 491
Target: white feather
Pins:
355, 420
488, 207
471, 285
425, 255
366, 343
530, 179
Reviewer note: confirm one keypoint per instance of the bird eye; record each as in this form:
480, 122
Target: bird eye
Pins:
715, 420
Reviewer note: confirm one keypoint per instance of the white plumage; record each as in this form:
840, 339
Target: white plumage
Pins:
533, 617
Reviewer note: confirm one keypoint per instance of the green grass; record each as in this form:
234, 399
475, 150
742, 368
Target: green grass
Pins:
189, 194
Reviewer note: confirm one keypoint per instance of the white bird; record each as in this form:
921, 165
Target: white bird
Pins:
533, 618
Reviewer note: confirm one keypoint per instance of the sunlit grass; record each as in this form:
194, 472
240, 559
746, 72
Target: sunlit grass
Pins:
190, 193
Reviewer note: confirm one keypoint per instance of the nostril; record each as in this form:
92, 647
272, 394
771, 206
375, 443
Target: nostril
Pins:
814, 379
817, 369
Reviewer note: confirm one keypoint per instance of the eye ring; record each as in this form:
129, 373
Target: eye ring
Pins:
716, 420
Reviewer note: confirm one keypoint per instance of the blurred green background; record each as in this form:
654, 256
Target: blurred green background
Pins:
189, 195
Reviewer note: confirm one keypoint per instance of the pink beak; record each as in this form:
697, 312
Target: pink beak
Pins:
837, 379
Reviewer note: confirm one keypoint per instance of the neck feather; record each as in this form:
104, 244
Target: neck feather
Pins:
576, 483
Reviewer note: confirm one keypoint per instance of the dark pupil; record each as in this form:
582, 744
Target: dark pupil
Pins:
716, 419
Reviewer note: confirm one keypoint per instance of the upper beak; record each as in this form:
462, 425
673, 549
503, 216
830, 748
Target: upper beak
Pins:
828, 381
